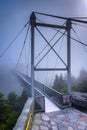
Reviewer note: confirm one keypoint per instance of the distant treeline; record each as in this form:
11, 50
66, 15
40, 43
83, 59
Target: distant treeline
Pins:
78, 84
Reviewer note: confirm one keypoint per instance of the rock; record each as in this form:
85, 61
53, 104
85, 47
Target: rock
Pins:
37, 116
45, 123
54, 128
52, 123
35, 127
37, 122
81, 127
83, 117
61, 127
45, 117
43, 127
70, 128
82, 123
60, 116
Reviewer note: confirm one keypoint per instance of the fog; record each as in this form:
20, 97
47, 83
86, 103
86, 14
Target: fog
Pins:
14, 15
8, 82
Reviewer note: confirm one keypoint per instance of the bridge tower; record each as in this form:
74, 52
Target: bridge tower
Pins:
67, 68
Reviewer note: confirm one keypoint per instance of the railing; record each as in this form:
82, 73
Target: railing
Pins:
61, 100
39, 97
40, 101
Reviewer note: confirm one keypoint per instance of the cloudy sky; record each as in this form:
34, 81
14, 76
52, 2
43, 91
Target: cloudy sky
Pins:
15, 13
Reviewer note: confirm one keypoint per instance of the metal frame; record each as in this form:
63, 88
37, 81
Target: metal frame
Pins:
68, 24
32, 22
67, 68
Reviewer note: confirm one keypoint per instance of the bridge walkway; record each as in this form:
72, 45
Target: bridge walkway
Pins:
67, 119
50, 106
56, 119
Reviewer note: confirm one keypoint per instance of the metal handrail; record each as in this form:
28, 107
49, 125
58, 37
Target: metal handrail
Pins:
43, 91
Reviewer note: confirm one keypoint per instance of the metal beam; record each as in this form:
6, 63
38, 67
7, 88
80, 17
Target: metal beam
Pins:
65, 18
50, 25
32, 22
68, 24
50, 69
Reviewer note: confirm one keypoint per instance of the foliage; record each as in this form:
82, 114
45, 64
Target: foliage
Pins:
78, 84
81, 82
10, 109
81, 87
59, 84
63, 90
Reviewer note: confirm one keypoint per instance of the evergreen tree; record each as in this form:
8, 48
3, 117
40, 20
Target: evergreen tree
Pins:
81, 82
59, 83
10, 109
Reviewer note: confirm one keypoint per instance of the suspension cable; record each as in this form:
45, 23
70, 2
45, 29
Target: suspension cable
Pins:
13, 40
57, 57
79, 17
51, 47
75, 39
79, 39
28, 55
40, 20
79, 25
65, 18
47, 44
46, 47
23, 45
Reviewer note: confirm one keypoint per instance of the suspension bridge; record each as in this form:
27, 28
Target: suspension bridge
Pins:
43, 50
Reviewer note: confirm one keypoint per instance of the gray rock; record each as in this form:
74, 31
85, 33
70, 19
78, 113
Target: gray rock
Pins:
43, 127
54, 128
37, 122
70, 128
45, 117
52, 123
35, 127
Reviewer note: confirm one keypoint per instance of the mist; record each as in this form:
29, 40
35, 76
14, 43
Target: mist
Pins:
8, 82
14, 15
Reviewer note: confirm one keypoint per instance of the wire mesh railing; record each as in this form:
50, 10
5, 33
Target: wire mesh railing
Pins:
39, 100
61, 100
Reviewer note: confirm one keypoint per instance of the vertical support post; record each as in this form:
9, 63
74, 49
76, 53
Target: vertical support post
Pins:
32, 22
68, 24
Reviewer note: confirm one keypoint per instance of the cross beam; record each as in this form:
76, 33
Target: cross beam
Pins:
49, 25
